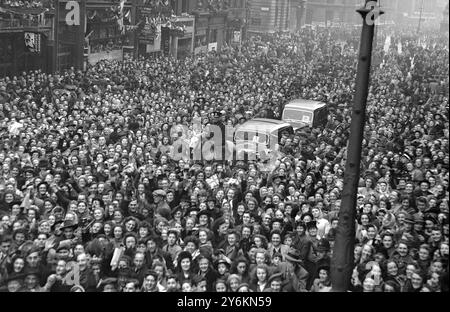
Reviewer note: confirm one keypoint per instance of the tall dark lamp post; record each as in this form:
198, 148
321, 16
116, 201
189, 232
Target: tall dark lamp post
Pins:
342, 262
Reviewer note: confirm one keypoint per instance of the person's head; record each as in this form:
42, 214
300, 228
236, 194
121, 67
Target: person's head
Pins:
222, 267
184, 261
18, 264
260, 256
241, 266
402, 249
31, 280
261, 273
186, 286
233, 282
172, 283
139, 260
33, 259
275, 238
130, 286
443, 249
424, 252
14, 285
387, 240
437, 266
436, 234
324, 274
367, 252
368, 285
232, 238
392, 268
82, 261
220, 286
203, 264
416, 280
150, 280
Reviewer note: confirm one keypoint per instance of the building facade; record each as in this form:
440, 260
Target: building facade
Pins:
27, 39
268, 16
76, 33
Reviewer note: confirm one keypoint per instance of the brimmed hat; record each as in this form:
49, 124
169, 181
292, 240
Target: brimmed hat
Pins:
69, 224
35, 272
203, 212
176, 209
223, 259
275, 276
107, 281
409, 219
217, 223
15, 277
159, 193
26, 169
243, 285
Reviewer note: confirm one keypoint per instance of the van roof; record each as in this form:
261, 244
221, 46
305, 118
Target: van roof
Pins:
263, 124
305, 104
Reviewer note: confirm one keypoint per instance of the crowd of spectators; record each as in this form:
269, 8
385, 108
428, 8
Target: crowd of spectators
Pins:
91, 198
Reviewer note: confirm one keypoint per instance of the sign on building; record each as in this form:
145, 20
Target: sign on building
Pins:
33, 41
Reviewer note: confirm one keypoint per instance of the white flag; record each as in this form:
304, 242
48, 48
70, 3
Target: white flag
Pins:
387, 44
399, 48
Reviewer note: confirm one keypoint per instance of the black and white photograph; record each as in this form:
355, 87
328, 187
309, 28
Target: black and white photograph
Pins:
224, 146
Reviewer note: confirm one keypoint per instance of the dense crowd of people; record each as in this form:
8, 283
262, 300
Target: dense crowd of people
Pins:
92, 199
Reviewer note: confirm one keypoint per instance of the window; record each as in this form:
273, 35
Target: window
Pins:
252, 136
293, 115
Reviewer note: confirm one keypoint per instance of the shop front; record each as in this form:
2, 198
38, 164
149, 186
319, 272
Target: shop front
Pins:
201, 34
182, 42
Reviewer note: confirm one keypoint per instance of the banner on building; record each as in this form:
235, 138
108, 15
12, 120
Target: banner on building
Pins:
387, 44
33, 41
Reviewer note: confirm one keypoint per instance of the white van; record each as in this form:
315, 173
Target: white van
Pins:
302, 113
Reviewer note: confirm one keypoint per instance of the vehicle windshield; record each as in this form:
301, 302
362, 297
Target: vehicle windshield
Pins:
292, 115
254, 136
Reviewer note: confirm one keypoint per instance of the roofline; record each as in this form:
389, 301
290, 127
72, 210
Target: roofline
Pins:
305, 104
272, 124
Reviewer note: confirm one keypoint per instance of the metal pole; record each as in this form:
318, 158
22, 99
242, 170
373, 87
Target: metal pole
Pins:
81, 34
342, 261
375, 43
420, 17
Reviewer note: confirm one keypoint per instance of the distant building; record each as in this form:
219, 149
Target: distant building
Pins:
268, 16
26, 39
444, 23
